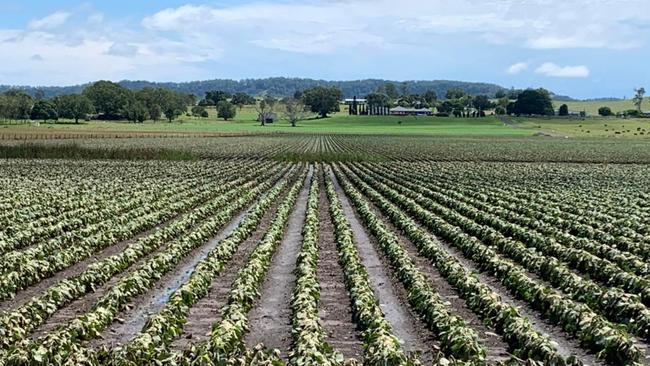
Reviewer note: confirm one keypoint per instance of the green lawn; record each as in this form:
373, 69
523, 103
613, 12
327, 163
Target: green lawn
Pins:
591, 107
337, 124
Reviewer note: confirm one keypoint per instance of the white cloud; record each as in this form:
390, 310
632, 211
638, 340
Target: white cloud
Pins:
552, 69
517, 68
51, 21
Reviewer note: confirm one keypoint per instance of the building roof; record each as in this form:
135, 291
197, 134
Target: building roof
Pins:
359, 100
403, 109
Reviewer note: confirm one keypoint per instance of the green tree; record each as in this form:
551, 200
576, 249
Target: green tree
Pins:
74, 106
199, 111
500, 94
430, 97
44, 110
378, 100
323, 100
455, 93
605, 111
482, 103
174, 105
534, 101
16, 105
215, 96
226, 110
564, 110
638, 98
242, 99
109, 98
136, 111
503, 104
391, 91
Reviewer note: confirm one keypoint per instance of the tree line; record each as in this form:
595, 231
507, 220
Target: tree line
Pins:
102, 100
279, 87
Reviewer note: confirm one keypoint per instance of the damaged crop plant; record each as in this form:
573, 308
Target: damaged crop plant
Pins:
325, 250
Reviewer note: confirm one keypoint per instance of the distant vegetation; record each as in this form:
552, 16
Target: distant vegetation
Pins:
278, 87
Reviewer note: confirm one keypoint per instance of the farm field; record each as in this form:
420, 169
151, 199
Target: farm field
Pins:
327, 250
591, 106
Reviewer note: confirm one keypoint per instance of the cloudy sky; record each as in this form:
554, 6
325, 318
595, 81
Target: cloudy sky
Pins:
583, 48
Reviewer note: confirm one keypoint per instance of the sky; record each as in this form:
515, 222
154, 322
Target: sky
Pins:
581, 48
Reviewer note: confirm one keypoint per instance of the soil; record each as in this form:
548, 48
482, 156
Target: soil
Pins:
133, 319
207, 311
410, 330
270, 319
335, 310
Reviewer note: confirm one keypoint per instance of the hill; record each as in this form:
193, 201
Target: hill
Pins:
280, 86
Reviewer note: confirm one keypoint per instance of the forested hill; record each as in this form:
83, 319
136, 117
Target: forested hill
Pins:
280, 87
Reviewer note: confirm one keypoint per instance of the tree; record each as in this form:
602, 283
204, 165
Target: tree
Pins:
73, 106
534, 101
482, 103
323, 100
108, 98
264, 108
378, 100
174, 105
455, 93
605, 111
242, 99
136, 111
226, 110
500, 94
199, 111
44, 109
638, 98
15, 105
295, 110
215, 96
391, 91
502, 105
430, 97
564, 110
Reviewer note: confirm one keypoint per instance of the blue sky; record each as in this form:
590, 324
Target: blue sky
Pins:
583, 48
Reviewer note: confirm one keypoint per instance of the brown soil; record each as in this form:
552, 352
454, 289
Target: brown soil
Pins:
270, 319
335, 308
391, 295
497, 348
133, 319
207, 311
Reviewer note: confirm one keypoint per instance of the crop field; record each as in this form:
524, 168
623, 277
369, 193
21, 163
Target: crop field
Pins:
327, 250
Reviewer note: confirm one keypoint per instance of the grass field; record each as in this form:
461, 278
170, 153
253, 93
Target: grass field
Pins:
591, 107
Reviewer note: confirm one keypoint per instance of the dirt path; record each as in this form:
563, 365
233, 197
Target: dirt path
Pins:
23, 296
412, 332
207, 311
335, 308
132, 320
270, 319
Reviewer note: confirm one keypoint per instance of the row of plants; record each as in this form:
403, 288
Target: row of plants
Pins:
143, 218
309, 345
226, 338
161, 329
593, 331
108, 204
611, 302
381, 346
58, 346
525, 342
117, 211
615, 235
20, 322
457, 339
